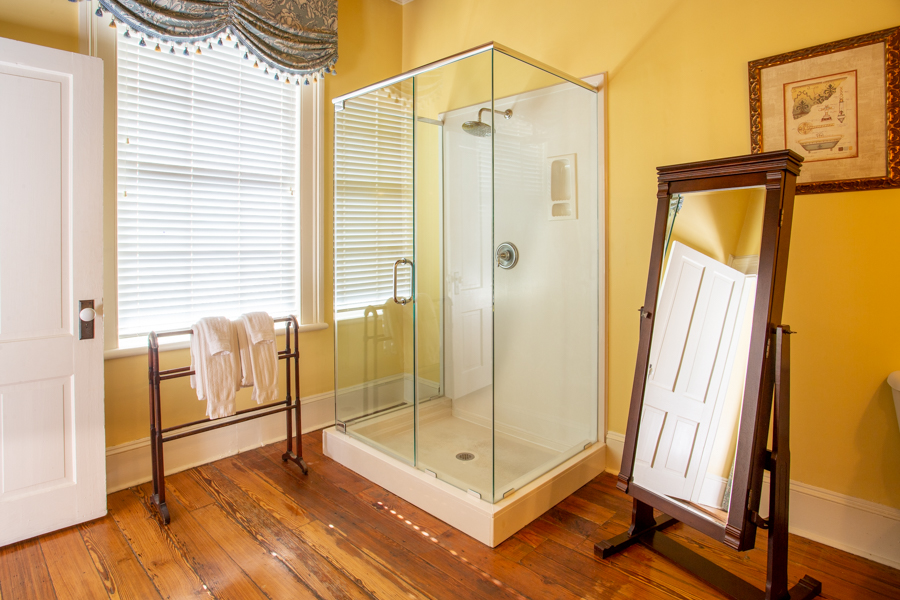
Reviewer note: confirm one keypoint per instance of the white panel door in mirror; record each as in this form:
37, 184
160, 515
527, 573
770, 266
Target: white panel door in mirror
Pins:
692, 344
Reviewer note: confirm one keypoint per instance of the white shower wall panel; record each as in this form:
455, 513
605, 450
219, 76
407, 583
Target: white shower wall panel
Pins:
544, 318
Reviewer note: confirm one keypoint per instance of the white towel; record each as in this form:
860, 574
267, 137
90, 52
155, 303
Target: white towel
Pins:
215, 360
263, 355
244, 343
260, 327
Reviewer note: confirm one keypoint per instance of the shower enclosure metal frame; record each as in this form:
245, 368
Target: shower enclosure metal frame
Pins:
338, 102
507, 260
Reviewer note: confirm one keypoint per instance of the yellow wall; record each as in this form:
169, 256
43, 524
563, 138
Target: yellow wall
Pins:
678, 92
45, 22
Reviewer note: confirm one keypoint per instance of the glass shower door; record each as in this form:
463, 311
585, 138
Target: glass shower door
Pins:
545, 272
374, 270
453, 253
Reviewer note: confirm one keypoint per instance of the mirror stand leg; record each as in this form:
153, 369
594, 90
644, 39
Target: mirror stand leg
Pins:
642, 522
780, 482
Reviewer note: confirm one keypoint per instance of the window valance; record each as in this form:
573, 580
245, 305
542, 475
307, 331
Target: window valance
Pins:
293, 36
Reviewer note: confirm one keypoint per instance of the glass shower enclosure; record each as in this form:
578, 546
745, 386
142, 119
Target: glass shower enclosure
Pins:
466, 268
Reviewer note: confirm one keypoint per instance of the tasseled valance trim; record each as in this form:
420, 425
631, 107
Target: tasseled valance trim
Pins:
291, 36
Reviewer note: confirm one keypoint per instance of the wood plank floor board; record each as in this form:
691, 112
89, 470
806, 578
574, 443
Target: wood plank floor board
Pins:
119, 569
288, 512
570, 522
187, 490
600, 586
220, 574
251, 526
169, 571
70, 566
316, 571
23, 572
640, 574
587, 510
543, 529
515, 549
371, 575
420, 560
440, 563
336, 473
498, 567
266, 569
374, 494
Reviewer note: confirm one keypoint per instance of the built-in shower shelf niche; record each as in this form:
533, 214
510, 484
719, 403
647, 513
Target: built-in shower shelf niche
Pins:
563, 191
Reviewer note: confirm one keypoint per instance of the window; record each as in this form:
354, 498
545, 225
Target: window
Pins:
373, 199
218, 204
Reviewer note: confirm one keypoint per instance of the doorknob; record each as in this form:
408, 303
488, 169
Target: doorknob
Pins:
86, 316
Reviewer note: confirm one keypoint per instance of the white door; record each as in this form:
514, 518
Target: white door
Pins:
693, 346
468, 252
52, 463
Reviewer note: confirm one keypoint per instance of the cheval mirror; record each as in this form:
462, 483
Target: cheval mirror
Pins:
712, 361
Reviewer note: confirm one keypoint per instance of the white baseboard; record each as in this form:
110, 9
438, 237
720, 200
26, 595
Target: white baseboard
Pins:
128, 464
856, 526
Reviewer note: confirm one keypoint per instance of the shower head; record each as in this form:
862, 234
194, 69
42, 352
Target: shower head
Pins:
477, 128
481, 129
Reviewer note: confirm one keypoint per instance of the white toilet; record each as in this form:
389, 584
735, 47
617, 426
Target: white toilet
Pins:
894, 381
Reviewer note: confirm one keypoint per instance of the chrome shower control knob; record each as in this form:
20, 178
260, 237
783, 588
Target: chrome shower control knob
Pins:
507, 255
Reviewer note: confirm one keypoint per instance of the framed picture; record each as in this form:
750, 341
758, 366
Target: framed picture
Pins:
838, 106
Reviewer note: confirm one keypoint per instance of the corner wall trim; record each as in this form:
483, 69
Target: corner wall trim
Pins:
856, 526
615, 445
128, 464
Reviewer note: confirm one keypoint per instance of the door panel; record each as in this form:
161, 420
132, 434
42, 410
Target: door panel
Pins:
694, 337
52, 458
35, 430
36, 203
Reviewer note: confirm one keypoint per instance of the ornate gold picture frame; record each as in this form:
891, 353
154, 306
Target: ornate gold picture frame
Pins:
838, 106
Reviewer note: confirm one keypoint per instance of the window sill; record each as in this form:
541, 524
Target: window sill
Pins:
181, 344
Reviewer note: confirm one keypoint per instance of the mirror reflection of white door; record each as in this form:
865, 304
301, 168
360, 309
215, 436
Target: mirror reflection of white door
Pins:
694, 343
52, 446
468, 252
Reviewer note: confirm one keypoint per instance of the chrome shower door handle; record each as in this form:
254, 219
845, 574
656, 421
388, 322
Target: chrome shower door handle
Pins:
404, 261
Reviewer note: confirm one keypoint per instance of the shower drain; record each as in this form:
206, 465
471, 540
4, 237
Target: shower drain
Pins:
465, 456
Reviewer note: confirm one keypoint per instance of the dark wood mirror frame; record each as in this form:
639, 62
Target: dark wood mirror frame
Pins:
777, 171
766, 388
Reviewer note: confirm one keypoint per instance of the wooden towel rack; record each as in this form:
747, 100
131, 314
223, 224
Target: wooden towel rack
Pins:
158, 434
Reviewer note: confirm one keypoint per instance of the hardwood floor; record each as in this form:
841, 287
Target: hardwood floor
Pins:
251, 526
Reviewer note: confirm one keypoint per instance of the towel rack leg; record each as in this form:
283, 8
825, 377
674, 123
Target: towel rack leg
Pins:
156, 441
292, 328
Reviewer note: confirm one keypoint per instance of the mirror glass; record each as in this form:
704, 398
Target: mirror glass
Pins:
699, 349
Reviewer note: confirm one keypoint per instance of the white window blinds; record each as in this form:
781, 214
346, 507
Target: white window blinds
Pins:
373, 199
207, 188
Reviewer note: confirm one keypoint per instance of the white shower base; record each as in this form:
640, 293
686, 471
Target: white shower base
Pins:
441, 437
